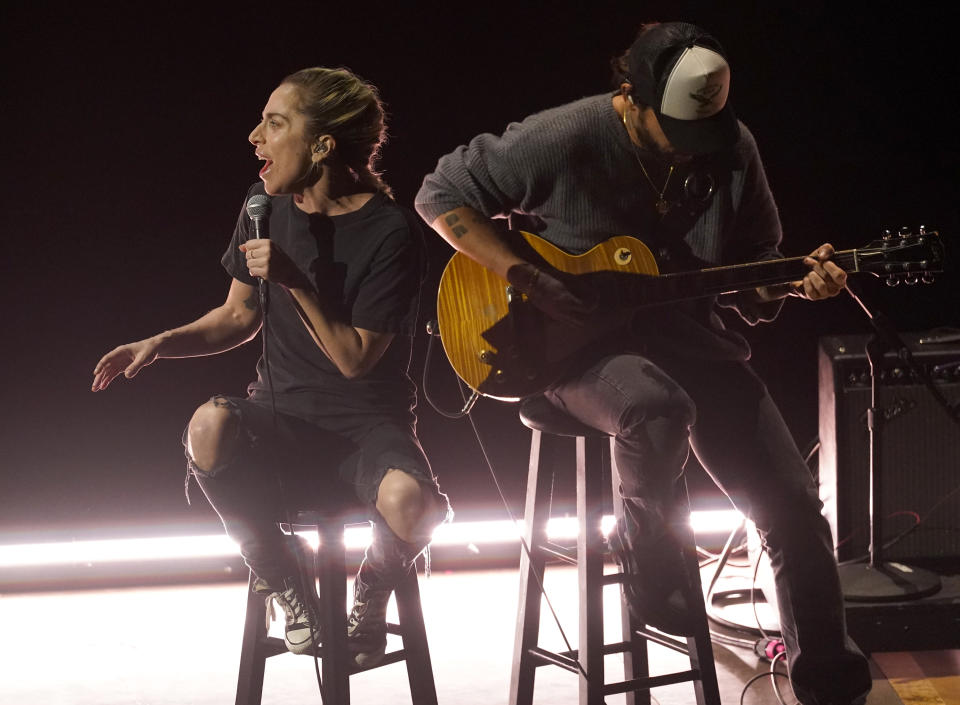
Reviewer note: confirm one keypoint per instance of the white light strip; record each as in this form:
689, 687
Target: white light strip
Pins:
458, 533
716, 521
112, 550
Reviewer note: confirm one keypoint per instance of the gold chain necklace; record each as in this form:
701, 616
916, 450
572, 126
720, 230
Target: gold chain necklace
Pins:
662, 205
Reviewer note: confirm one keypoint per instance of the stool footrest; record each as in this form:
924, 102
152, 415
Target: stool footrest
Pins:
613, 578
568, 661
273, 646
617, 647
650, 682
567, 554
389, 657
543, 657
663, 640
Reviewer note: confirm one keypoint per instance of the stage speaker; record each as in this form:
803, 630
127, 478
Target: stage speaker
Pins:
919, 467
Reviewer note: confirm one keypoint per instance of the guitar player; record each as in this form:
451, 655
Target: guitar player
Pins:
664, 159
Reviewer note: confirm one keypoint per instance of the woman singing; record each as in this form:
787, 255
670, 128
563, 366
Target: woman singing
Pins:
332, 404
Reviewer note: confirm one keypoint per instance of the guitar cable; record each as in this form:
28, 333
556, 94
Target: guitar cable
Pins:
433, 330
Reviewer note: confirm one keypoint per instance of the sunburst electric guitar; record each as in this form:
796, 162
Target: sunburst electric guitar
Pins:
505, 348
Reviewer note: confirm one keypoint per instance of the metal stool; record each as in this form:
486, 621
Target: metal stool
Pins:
336, 664
594, 467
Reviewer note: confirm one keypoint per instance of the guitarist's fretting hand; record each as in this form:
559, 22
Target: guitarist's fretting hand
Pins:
825, 278
549, 294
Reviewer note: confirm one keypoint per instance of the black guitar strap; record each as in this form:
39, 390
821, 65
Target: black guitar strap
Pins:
695, 192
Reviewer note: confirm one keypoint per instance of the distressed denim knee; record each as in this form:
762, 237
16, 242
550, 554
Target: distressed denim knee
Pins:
237, 431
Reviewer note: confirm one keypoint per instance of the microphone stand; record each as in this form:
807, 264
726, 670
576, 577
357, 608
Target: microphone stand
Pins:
878, 580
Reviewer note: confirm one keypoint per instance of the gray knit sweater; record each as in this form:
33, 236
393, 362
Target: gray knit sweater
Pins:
573, 172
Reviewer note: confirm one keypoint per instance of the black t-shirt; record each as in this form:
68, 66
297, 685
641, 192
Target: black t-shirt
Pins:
368, 265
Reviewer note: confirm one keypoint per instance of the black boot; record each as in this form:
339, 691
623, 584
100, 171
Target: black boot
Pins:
388, 559
657, 585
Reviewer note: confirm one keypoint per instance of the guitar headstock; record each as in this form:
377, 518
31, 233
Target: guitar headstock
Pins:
905, 257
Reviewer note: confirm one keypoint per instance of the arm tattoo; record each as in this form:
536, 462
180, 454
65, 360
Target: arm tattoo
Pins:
252, 302
458, 230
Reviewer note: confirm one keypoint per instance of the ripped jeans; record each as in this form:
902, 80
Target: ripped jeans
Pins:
657, 411
281, 463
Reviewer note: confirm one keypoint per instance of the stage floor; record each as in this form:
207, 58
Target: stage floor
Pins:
177, 645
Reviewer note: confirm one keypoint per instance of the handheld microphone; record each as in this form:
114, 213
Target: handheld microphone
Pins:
258, 209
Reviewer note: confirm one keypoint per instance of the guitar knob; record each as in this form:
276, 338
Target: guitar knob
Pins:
911, 280
905, 231
887, 234
928, 278
923, 229
893, 281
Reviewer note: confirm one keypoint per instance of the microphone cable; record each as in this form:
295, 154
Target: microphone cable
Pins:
258, 209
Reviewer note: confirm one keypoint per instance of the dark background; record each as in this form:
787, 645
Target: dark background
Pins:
125, 150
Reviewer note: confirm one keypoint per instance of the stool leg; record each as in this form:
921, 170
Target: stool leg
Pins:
636, 663
332, 573
590, 552
701, 659
253, 657
423, 690
699, 646
536, 515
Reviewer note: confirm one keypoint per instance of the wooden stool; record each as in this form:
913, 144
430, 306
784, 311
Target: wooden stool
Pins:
595, 467
336, 664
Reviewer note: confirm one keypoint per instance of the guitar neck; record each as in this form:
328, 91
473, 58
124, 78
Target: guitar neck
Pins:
728, 279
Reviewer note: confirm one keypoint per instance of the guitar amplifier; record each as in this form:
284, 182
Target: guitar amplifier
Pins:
919, 468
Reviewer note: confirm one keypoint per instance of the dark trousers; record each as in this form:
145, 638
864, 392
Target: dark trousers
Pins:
721, 409
281, 463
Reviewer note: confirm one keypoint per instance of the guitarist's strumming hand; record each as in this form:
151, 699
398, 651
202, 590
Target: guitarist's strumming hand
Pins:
549, 294
825, 279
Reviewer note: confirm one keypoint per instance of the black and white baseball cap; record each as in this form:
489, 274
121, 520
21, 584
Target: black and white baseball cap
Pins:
682, 73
